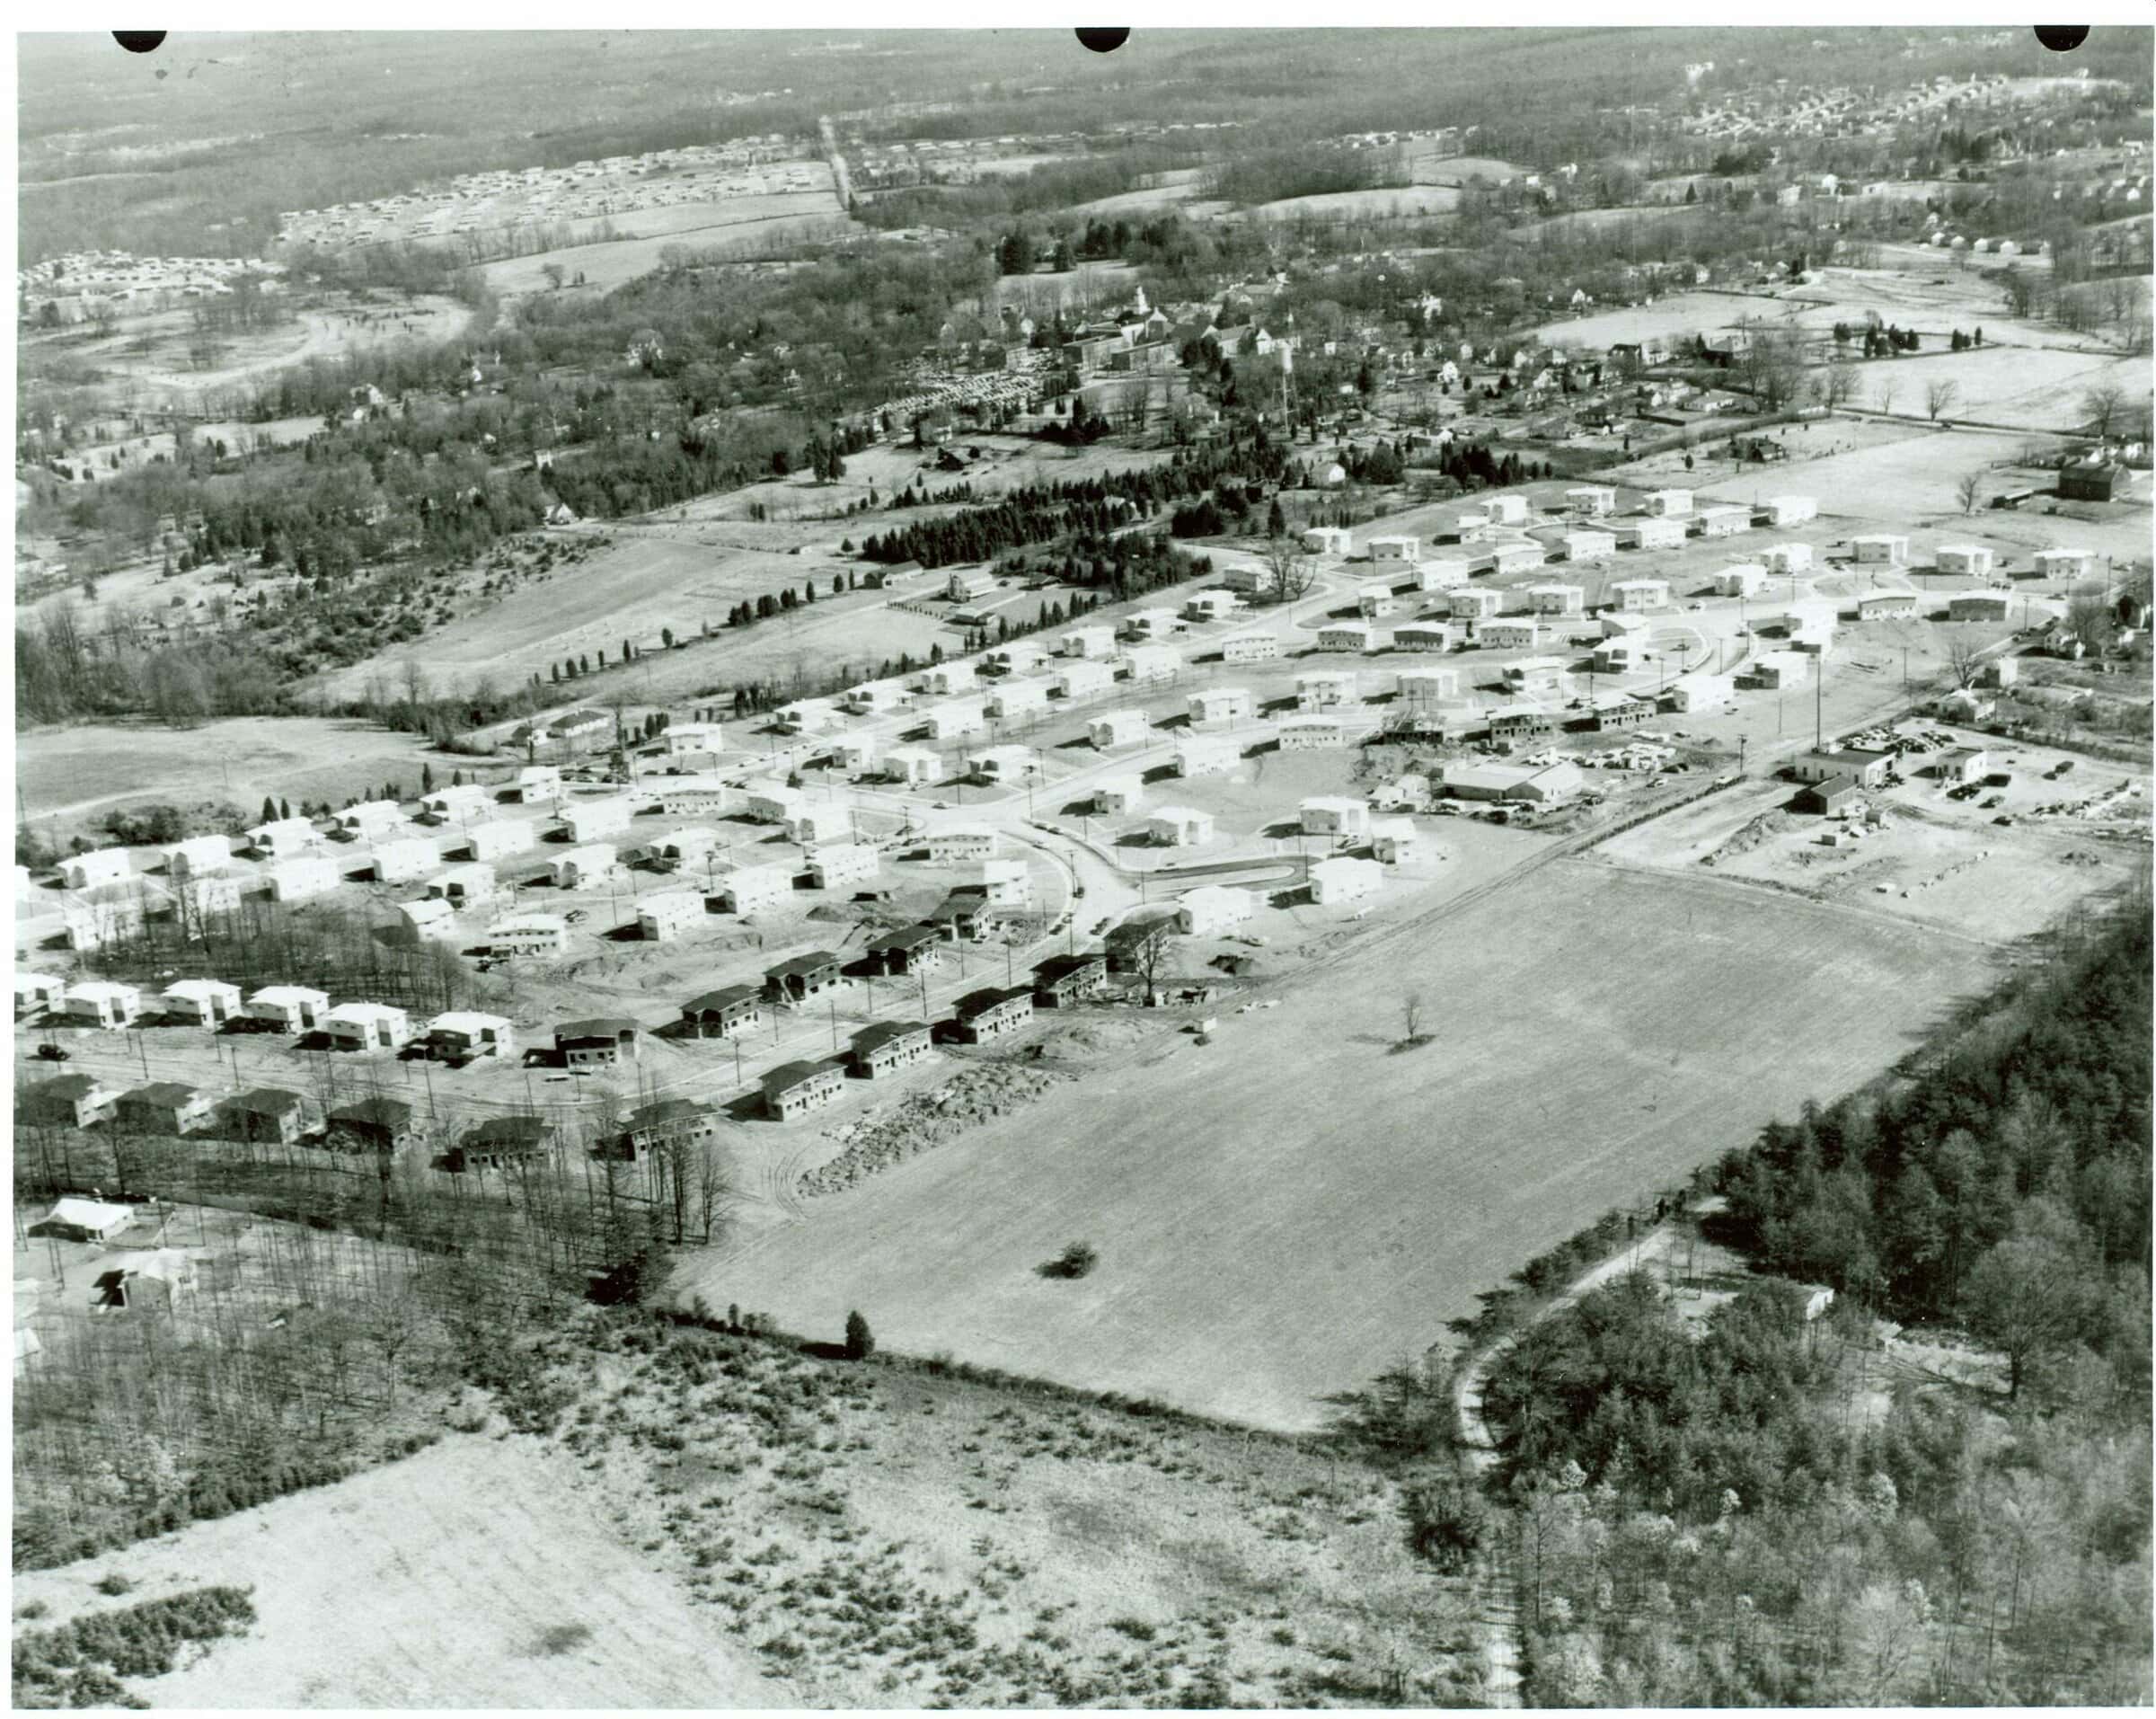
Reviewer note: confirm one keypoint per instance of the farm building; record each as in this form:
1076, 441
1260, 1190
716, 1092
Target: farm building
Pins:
724, 1013
911, 764
165, 1107
1442, 573
1652, 534
955, 719
1085, 679
1116, 728
1334, 882
1346, 635
1590, 546
599, 1041
537, 784
283, 836
1509, 558
1959, 766
911, 948
1324, 689
1328, 540
582, 868
528, 935
1591, 500
1153, 662
369, 818
498, 838
1700, 692
885, 1047
1535, 677
1179, 826
1510, 632
661, 919
1002, 765
1341, 818
991, 1013
37, 993
366, 1026
1251, 647
2090, 480
1422, 635
1979, 606
843, 863
289, 1008
1831, 795
1970, 560
1428, 685
1374, 602
589, 820
1207, 755
1555, 599
1212, 606
1866, 767
72, 1100
104, 915
266, 1113
1880, 549
1062, 980
461, 885
1887, 605
499, 1142
1787, 558
1395, 549
951, 847
812, 826
1783, 511
375, 1124
1666, 504
456, 804
99, 866
429, 918
1088, 642
196, 856
1311, 734
751, 889
1213, 911
1014, 699
1393, 841
1004, 883
73, 1219
1218, 706
400, 861
2063, 563
799, 978
1473, 605
1634, 595
1118, 793
1741, 579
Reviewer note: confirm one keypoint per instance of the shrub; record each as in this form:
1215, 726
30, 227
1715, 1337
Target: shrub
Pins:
112, 1583
860, 1341
1075, 1261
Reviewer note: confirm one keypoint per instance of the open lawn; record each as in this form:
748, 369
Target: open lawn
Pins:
478, 1573
748, 224
1321, 1203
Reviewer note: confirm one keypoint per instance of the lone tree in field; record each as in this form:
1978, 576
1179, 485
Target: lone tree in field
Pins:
1838, 386
1883, 395
2102, 405
860, 1341
1289, 573
1968, 488
1939, 395
1964, 657
1077, 1260
1149, 954
1411, 1018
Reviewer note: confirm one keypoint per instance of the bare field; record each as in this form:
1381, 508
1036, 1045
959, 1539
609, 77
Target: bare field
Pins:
1415, 200
478, 1573
605, 264
1457, 169
1576, 1064
1689, 312
2020, 387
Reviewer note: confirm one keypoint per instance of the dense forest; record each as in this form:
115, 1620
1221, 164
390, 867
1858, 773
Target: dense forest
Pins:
1764, 1511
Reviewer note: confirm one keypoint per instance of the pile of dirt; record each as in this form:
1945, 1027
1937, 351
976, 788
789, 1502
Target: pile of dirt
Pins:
1091, 1039
893, 1133
1768, 824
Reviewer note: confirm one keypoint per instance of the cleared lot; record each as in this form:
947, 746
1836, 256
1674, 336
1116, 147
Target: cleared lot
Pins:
1285, 1213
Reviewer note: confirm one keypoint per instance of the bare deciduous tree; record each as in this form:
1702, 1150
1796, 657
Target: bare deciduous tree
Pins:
2101, 406
1964, 657
1940, 393
1838, 386
1289, 571
1967, 489
1884, 393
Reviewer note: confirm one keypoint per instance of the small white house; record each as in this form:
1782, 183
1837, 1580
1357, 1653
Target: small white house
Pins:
1970, 560
1701, 692
1342, 818
1508, 558
1741, 579
37, 993
1582, 546
1724, 521
955, 719
843, 863
1557, 600
912, 764
1423, 687
99, 866
1014, 700
1328, 540
1506, 509
1118, 793
1880, 549
1088, 642
1783, 511
1887, 605
942, 680
1212, 606
366, 1026
854, 754
771, 803
806, 716
1251, 647
1375, 601
661, 919
1146, 663
103, 1003
960, 845
1591, 500
461, 885
470, 1032
1653, 533
1340, 879
1666, 504
369, 819
289, 1008
1787, 558
587, 820
813, 826
1325, 690
582, 868
1179, 827
1423, 635
1006, 882
1311, 734
400, 861
1393, 841
1214, 910
751, 889
1634, 595
1358, 637
456, 803
1002, 766
282, 837
1442, 573
1203, 755
537, 784
1089, 678
1149, 624
1399, 549
498, 838
1118, 728
431, 918
1216, 706
301, 880
873, 697
1510, 632
1018, 656
524, 935
2063, 563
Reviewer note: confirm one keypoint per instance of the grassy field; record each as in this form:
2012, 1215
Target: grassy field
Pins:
2021, 388
1417, 199
607, 264
1577, 1063
1457, 169
478, 1573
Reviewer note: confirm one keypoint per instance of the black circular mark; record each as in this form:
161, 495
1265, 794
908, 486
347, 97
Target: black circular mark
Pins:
2061, 38
139, 41
1103, 41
